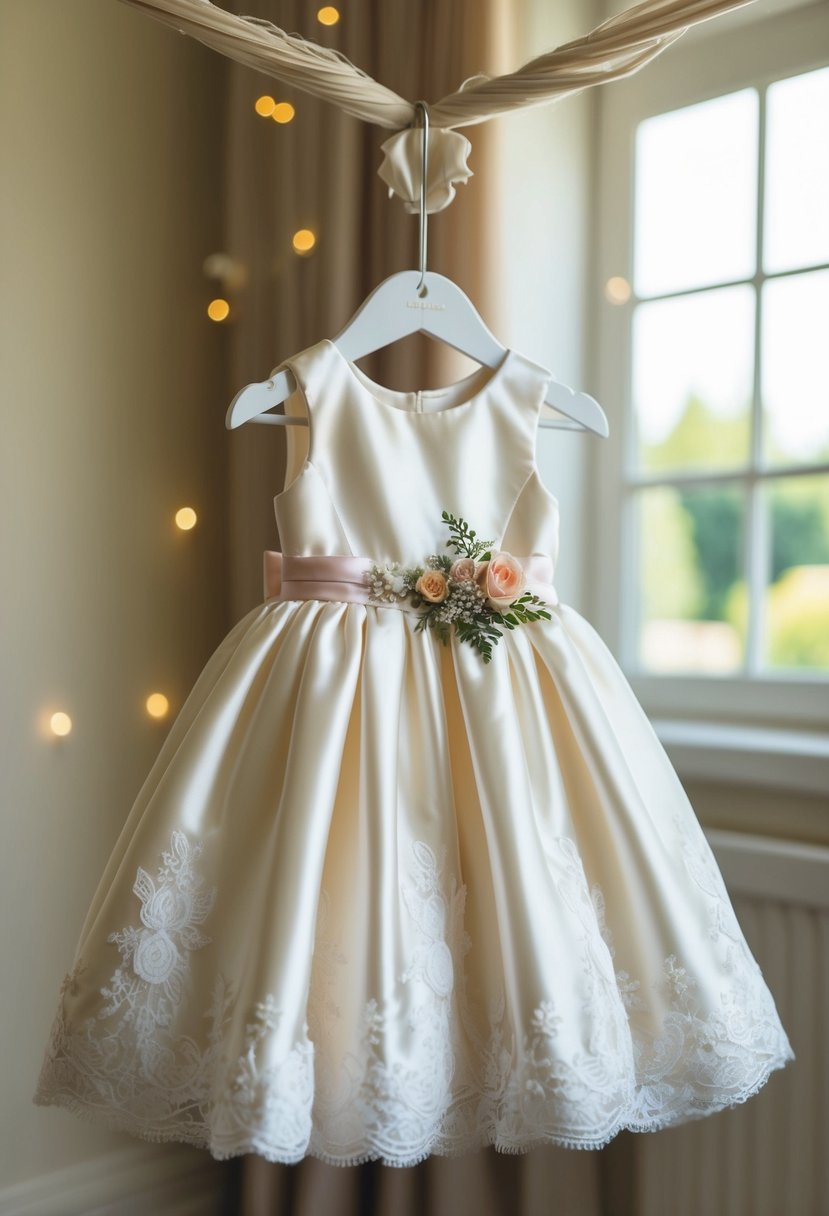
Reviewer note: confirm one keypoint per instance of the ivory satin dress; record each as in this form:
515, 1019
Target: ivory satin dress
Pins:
377, 898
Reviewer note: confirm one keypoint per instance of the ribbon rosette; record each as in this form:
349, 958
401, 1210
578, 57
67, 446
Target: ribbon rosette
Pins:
447, 167
480, 592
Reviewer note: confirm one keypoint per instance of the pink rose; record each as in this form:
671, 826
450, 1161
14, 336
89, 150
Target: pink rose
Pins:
462, 570
502, 579
432, 585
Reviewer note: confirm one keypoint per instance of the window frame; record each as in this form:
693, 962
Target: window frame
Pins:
749, 49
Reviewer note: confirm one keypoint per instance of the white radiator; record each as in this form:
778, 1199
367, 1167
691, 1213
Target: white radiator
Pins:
770, 1156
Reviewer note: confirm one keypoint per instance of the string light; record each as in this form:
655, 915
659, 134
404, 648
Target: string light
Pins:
303, 241
186, 518
617, 290
328, 15
218, 310
157, 705
264, 106
60, 724
279, 111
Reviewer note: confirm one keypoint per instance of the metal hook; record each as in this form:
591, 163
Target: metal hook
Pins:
423, 108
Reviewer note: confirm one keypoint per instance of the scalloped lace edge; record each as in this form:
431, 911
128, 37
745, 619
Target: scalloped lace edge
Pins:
118, 1121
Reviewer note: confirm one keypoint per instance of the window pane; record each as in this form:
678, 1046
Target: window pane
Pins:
696, 190
692, 597
693, 371
797, 172
795, 368
797, 598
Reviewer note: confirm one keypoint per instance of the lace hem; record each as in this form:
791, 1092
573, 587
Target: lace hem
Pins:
459, 1088
200, 1137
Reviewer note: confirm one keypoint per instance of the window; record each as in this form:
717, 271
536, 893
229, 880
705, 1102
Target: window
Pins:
714, 356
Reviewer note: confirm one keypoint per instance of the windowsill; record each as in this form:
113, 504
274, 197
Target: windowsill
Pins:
747, 755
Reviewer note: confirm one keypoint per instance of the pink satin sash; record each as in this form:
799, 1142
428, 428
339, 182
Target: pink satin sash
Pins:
338, 577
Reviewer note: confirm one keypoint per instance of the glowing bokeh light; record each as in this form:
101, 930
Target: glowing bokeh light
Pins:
157, 705
60, 724
304, 241
218, 310
264, 106
617, 290
186, 518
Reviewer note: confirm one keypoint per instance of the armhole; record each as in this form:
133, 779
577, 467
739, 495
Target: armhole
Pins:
297, 438
538, 414
548, 497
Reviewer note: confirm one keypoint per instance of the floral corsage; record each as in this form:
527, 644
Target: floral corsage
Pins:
479, 592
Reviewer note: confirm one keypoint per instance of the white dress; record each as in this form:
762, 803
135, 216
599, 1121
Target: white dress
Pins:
379, 898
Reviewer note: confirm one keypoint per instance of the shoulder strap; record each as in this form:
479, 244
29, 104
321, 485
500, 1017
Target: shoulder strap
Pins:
307, 368
523, 389
530, 379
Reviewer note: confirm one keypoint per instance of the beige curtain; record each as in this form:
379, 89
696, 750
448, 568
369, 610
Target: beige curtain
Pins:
544, 1182
320, 172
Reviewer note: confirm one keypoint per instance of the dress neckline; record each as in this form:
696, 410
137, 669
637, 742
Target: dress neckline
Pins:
364, 382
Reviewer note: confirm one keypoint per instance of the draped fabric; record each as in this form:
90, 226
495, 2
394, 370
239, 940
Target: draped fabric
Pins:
619, 47
616, 48
545, 1182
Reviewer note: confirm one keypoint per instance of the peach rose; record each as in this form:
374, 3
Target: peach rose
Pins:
502, 579
462, 570
432, 586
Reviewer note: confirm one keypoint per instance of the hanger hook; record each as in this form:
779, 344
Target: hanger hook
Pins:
423, 109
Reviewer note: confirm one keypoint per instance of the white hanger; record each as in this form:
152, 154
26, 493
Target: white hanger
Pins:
406, 303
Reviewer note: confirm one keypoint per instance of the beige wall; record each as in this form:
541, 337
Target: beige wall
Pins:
113, 397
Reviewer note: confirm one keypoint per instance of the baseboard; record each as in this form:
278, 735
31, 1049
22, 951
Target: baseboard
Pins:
164, 1180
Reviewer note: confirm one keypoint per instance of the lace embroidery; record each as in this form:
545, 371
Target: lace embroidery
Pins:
628, 988
537, 1088
438, 917
143, 1077
172, 908
263, 1108
457, 1087
373, 1106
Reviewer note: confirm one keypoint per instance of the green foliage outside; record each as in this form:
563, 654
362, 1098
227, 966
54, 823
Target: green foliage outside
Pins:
693, 540
673, 582
700, 440
798, 618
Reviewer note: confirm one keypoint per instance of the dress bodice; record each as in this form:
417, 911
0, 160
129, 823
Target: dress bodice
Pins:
375, 468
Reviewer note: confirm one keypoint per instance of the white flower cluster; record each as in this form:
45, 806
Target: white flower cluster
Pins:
387, 583
464, 601
676, 977
546, 1021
